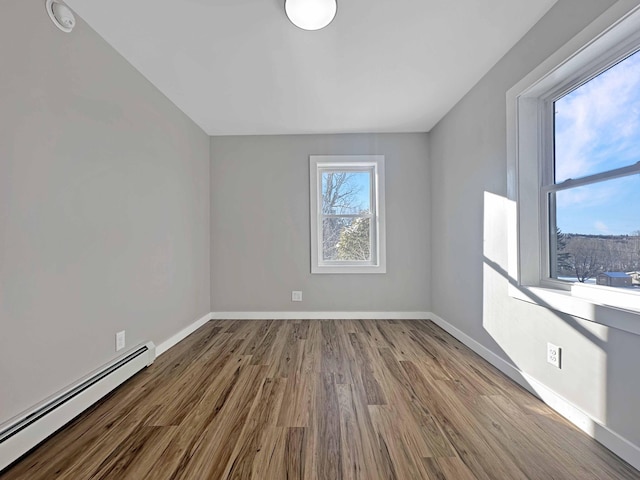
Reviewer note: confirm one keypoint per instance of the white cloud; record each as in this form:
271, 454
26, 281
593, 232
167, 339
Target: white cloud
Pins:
588, 196
599, 122
601, 227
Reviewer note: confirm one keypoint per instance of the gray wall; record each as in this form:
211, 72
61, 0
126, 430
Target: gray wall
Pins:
260, 248
104, 217
469, 252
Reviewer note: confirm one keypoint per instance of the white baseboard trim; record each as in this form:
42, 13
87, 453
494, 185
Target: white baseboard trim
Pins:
185, 332
182, 334
320, 315
603, 434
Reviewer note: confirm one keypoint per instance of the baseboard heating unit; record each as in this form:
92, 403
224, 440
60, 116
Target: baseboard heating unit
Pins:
22, 433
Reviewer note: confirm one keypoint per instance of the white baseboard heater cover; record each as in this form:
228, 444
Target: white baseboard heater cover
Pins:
27, 430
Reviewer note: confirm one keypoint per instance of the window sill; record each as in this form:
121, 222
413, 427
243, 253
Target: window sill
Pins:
342, 269
572, 303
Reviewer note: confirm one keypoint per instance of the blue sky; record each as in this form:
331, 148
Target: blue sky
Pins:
597, 128
362, 180
359, 181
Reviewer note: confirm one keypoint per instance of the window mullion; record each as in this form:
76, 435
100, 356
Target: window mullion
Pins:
547, 220
347, 215
552, 256
591, 179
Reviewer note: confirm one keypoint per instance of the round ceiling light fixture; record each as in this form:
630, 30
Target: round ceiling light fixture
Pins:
311, 14
61, 15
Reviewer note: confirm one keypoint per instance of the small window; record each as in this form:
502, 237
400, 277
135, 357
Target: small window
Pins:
347, 214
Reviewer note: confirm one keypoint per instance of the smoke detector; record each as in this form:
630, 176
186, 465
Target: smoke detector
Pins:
61, 15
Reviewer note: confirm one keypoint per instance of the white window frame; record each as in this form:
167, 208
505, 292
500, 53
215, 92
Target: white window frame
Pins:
610, 38
373, 163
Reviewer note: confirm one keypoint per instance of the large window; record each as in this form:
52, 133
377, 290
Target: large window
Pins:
574, 175
592, 188
347, 214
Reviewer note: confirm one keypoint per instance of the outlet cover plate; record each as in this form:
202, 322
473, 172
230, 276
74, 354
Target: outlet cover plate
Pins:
554, 354
296, 296
120, 340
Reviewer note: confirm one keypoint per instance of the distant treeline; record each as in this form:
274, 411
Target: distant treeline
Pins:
585, 256
604, 237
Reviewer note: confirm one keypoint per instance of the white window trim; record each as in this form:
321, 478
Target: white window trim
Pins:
611, 37
378, 263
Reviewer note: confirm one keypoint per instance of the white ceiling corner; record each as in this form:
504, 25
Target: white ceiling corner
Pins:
239, 67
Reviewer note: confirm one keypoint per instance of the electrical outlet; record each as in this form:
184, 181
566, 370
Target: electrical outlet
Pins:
554, 353
296, 296
120, 340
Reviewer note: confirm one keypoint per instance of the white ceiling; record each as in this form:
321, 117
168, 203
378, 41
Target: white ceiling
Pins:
239, 67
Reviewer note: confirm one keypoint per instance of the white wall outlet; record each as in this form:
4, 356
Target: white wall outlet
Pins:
120, 340
296, 296
554, 353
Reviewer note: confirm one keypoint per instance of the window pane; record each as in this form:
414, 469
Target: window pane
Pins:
346, 192
597, 126
598, 230
346, 239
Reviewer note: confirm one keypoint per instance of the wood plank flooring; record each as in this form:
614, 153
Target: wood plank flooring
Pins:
320, 400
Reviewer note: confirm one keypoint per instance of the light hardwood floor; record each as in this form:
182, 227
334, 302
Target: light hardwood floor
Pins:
322, 400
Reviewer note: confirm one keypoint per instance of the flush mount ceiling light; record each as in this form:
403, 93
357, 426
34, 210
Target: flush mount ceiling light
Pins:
61, 15
311, 14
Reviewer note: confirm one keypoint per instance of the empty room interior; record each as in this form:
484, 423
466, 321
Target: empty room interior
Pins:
304, 239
